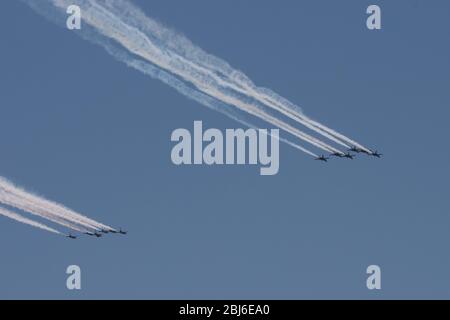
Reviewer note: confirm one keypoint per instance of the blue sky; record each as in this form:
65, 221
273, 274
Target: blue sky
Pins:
85, 130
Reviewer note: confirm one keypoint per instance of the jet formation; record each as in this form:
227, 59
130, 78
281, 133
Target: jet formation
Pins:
348, 155
100, 233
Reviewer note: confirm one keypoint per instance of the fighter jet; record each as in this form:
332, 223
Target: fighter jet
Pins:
322, 158
95, 234
113, 231
104, 231
71, 236
349, 155
337, 154
376, 154
122, 232
355, 149
358, 150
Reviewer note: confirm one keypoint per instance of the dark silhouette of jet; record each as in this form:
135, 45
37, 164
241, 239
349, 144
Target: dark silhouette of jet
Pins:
370, 152
366, 152
376, 154
95, 234
71, 236
358, 150
322, 158
349, 155
337, 154
122, 232
104, 231
355, 149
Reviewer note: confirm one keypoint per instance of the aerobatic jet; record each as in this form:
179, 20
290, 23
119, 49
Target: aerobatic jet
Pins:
337, 154
349, 155
322, 158
355, 149
376, 154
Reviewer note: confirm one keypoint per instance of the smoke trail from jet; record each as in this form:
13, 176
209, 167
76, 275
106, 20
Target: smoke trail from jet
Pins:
50, 208
288, 142
182, 88
213, 103
116, 20
339, 135
21, 204
230, 100
112, 27
22, 219
222, 71
182, 49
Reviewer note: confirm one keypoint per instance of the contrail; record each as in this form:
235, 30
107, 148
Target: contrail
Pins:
14, 201
251, 109
181, 87
339, 135
222, 71
51, 208
22, 219
292, 144
116, 20
182, 49
215, 104
112, 27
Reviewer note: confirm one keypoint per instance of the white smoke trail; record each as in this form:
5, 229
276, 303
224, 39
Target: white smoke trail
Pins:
181, 48
220, 106
112, 27
181, 87
14, 201
284, 108
296, 146
339, 135
51, 207
105, 22
22, 219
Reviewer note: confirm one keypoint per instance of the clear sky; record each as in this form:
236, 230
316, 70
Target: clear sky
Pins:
83, 129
